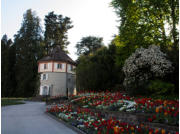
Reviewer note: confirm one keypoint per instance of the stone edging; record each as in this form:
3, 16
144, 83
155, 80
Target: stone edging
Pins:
64, 123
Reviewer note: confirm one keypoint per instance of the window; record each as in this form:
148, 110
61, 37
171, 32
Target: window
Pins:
45, 90
71, 67
45, 66
44, 76
59, 66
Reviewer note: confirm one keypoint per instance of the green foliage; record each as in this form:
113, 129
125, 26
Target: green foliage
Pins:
144, 65
28, 51
97, 71
143, 23
88, 45
56, 28
20, 76
8, 57
160, 88
122, 52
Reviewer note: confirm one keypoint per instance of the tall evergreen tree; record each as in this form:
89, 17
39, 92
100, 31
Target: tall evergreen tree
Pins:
28, 51
56, 28
8, 82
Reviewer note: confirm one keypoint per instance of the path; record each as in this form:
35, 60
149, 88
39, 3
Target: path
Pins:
30, 118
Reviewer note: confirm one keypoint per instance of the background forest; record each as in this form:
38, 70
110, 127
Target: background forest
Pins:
143, 59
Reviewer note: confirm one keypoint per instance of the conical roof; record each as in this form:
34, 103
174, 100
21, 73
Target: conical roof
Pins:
57, 54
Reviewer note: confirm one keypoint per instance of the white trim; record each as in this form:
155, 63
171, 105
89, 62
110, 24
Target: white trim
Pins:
40, 93
41, 77
63, 66
48, 66
41, 89
41, 66
46, 76
55, 65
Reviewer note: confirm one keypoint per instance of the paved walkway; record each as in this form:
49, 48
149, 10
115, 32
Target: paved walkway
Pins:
30, 118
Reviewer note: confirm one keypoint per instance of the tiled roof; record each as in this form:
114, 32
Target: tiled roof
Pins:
57, 55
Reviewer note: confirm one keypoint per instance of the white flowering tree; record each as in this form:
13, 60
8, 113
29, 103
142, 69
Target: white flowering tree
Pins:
145, 64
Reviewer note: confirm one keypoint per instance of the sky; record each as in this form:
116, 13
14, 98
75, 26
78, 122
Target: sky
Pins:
89, 18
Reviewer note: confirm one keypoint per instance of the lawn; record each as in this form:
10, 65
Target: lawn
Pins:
11, 101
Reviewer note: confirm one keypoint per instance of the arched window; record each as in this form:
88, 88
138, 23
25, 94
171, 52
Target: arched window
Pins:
45, 90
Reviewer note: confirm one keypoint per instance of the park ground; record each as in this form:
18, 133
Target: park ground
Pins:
30, 118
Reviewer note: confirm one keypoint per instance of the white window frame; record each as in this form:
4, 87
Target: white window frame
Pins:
59, 66
45, 66
42, 88
63, 66
44, 76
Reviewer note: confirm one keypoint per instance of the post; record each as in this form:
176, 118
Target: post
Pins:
46, 99
67, 92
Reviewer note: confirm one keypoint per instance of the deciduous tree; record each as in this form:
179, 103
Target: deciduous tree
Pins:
88, 45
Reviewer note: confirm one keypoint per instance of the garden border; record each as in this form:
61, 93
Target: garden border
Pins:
64, 123
134, 118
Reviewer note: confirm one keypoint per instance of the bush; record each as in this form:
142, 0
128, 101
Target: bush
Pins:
160, 88
144, 65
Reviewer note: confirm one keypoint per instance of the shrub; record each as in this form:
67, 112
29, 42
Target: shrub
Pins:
160, 88
143, 65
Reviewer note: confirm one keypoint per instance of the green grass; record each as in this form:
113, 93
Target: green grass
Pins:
11, 101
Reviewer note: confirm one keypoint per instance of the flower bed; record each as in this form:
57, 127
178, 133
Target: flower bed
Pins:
96, 113
163, 111
96, 123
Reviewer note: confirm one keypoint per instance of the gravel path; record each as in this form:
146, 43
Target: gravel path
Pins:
30, 118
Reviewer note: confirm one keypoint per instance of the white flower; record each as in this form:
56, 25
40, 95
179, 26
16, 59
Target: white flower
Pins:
85, 106
145, 63
80, 126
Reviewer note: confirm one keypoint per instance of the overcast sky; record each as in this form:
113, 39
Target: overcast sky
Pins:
89, 17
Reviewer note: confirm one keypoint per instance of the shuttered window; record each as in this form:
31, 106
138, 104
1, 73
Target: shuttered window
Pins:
44, 76
59, 66
45, 66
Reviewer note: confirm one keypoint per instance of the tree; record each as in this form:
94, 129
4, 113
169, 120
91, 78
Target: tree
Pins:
88, 45
8, 55
28, 52
143, 23
56, 28
97, 71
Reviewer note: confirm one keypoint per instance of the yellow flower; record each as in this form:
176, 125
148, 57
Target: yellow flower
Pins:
132, 128
116, 129
157, 109
163, 131
165, 113
165, 103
